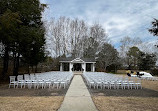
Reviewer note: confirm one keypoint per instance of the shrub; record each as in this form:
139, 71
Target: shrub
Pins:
154, 72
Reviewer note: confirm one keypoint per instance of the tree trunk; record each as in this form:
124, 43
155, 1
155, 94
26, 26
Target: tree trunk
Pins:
28, 69
16, 65
36, 69
14, 62
5, 62
105, 66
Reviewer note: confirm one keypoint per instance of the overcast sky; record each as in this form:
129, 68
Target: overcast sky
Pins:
119, 18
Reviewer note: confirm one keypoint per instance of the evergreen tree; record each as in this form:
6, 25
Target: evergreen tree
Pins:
154, 29
9, 23
146, 61
132, 56
28, 34
107, 56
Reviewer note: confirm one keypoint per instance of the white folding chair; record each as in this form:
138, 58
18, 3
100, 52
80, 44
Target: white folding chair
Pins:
56, 84
138, 84
21, 82
47, 83
12, 81
28, 83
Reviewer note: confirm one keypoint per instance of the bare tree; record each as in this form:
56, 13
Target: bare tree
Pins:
70, 36
58, 36
98, 33
78, 32
136, 41
125, 44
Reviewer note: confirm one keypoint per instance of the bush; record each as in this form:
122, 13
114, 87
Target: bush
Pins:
154, 72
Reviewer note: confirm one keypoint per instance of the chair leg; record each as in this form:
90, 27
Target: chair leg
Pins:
21, 85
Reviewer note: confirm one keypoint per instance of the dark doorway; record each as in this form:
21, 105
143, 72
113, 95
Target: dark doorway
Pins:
77, 67
66, 67
88, 67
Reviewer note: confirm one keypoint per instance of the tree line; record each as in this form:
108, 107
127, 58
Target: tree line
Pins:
21, 33
75, 38
134, 58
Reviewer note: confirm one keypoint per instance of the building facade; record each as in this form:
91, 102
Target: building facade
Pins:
77, 64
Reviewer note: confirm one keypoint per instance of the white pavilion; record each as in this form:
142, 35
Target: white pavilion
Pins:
77, 64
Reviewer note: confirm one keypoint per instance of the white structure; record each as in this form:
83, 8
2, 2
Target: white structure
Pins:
77, 64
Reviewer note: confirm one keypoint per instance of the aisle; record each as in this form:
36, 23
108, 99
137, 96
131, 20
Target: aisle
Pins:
77, 97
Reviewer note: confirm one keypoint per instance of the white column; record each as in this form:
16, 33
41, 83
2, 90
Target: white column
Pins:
61, 67
84, 67
70, 67
93, 67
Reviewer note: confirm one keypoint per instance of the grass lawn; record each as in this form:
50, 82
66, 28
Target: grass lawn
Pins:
153, 85
104, 103
48, 103
30, 99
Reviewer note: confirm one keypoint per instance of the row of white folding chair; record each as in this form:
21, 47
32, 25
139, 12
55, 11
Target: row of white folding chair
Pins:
98, 82
105, 76
29, 83
114, 84
44, 76
57, 81
13, 80
52, 76
41, 84
122, 85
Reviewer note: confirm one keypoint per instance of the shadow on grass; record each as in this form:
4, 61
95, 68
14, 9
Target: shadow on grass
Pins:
5, 91
124, 93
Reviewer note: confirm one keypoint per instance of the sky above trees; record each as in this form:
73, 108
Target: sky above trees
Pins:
119, 18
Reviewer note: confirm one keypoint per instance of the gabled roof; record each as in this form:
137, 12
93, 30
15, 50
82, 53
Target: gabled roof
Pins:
70, 59
77, 60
